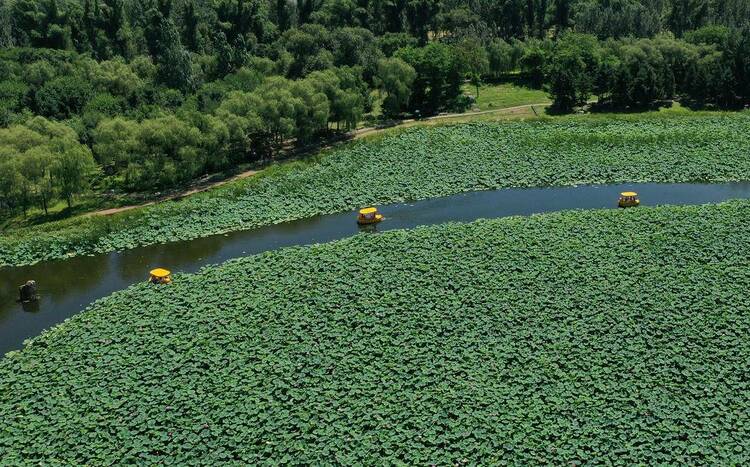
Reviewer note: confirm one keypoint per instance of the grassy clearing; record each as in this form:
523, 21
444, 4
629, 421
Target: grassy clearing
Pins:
422, 163
500, 96
59, 210
585, 337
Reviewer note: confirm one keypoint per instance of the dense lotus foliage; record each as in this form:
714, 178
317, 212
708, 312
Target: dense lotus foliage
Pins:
584, 336
422, 163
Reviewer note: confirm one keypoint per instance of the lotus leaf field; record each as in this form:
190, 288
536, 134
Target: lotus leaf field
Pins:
574, 337
421, 163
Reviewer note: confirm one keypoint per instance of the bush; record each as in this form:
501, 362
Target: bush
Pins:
63, 97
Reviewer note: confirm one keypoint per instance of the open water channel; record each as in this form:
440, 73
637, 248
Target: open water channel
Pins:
68, 286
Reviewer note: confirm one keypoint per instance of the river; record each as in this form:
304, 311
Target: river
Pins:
68, 286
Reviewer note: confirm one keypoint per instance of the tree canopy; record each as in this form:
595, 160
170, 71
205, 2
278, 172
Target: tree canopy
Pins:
146, 94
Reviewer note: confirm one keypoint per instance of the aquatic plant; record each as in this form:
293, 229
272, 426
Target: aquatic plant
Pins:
421, 163
577, 337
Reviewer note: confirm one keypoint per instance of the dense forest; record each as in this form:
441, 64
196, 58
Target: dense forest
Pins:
146, 94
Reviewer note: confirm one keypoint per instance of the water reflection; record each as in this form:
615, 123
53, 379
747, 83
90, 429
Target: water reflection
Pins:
68, 286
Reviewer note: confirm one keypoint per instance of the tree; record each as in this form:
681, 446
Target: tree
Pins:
716, 35
63, 97
6, 25
356, 47
502, 57
343, 89
173, 63
686, 15
440, 73
248, 135
114, 29
174, 67
283, 15
40, 23
71, 170
354, 99
421, 16
43, 158
224, 55
572, 69
533, 62
616, 18
13, 95
11, 185
476, 61
276, 106
395, 78
115, 77
641, 78
190, 22
390, 42
167, 151
742, 65
561, 16
35, 166
311, 110
710, 79
305, 9
114, 143
336, 14
393, 15
459, 21
310, 48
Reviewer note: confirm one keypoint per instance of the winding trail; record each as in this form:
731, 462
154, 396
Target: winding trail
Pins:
181, 194
354, 135
362, 132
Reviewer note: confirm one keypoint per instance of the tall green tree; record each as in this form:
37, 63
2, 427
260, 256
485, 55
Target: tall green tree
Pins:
190, 24
476, 61
421, 16
572, 70
395, 78
440, 73
71, 170
40, 23
174, 67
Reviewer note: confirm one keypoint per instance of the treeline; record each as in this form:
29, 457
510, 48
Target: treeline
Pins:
710, 67
157, 92
127, 28
39, 161
146, 135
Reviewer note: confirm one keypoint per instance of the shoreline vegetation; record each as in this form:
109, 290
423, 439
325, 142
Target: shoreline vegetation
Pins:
579, 337
602, 327
417, 163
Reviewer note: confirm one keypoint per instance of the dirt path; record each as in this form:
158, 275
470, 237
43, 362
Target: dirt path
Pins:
181, 194
505, 110
362, 132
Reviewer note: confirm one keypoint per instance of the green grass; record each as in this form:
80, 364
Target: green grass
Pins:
421, 163
59, 210
499, 96
591, 337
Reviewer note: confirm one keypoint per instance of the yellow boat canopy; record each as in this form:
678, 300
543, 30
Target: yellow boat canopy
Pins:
368, 211
159, 272
628, 193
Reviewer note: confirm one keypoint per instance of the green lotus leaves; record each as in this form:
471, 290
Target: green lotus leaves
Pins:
423, 163
582, 337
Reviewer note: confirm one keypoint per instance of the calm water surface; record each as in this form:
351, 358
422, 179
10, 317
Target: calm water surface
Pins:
68, 286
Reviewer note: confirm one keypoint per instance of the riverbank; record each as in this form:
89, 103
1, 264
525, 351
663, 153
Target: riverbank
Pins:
360, 133
624, 333
67, 285
94, 204
419, 163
